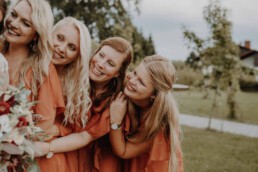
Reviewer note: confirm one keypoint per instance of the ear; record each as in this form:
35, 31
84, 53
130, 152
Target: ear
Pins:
153, 97
36, 37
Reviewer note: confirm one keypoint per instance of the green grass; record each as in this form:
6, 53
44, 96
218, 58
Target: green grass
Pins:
210, 151
192, 102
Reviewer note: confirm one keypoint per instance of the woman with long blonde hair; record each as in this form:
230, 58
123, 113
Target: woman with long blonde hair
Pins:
107, 72
152, 141
72, 48
27, 48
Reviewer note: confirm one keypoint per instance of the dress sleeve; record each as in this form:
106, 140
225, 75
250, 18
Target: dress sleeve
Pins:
63, 129
50, 100
101, 124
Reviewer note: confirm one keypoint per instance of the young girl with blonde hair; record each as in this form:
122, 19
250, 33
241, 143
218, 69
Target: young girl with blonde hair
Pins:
27, 48
107, 72
152, 142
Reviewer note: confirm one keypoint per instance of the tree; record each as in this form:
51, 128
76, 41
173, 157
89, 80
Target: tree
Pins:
218, 53
104, 18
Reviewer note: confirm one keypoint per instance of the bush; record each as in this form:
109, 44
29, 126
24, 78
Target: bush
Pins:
187, 75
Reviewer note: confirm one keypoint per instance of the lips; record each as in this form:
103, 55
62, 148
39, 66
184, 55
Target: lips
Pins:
57, 55
130, 87
97, 72
10, 31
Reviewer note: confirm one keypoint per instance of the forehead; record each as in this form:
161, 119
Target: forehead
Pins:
112, 54
142, 72
24, 9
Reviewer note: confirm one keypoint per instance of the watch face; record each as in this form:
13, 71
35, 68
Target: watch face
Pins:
50, 154
114, 126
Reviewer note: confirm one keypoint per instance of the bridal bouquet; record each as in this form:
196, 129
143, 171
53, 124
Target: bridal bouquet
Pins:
17, 130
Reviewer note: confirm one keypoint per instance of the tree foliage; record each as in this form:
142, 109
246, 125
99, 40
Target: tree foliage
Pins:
218, 55
106, 18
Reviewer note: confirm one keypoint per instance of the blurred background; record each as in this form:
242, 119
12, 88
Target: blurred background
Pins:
214, 47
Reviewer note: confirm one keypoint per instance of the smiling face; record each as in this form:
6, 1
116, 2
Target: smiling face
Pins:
19, 26
139, 87
66, 43
105, 65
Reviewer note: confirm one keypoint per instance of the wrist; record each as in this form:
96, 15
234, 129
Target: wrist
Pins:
50, 153
115, 126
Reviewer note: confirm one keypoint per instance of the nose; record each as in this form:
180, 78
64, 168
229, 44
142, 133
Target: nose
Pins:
129, 75
101, 63
61, 48
133, 80
14, 23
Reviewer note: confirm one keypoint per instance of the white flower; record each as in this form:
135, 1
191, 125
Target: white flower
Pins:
4, 125
15, 136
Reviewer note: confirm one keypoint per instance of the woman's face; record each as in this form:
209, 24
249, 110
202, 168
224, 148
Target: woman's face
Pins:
139, 87
66, 41
105, 65
19, 26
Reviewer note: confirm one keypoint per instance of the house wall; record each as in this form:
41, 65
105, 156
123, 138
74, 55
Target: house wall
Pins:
248, 62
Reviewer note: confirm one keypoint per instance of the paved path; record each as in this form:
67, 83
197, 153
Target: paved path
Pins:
220, 125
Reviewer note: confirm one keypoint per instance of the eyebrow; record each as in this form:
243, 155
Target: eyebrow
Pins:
27, 20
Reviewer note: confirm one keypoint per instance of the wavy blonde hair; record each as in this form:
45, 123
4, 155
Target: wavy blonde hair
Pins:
163, 114
39, 58
76, 84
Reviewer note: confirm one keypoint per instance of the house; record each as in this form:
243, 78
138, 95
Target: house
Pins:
249, 57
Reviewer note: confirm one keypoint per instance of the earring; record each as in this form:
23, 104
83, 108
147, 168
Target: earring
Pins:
34, 47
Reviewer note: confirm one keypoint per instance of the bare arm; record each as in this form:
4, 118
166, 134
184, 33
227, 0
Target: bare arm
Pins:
64, 144
122, 147
126, 149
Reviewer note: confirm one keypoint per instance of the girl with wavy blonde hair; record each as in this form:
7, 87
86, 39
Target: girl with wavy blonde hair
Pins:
107, 72
27, 48
74, 74
153, 139
37, 54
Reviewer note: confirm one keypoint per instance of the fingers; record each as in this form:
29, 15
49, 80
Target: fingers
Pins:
121, 96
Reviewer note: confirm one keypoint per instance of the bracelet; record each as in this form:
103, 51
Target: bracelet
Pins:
50, 153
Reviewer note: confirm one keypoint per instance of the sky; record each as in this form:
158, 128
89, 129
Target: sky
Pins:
163, 19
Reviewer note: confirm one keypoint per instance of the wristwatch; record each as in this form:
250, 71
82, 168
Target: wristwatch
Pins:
115, 126
50, 152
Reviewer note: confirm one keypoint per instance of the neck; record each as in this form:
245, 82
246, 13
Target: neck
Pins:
99, 88
16, 53
144, 111
59, 69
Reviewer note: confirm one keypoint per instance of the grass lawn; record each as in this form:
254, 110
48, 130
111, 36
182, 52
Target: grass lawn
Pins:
192, 102
210, 151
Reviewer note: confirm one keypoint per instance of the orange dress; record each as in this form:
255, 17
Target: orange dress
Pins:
104, 159
157, 159
79, 160
50, 104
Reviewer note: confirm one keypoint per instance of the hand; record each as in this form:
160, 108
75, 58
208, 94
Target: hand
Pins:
42, 148
11, 149
118, 108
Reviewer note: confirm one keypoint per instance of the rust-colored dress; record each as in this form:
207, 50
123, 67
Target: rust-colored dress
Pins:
157, 159
50, 104
104, 159
79, 160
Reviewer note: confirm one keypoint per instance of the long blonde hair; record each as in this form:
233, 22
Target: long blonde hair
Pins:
163, 114
76, 84
40, 51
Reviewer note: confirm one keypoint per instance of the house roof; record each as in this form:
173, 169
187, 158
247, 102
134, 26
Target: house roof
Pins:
246, 52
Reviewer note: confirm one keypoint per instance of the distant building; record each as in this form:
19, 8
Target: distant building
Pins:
249, 57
